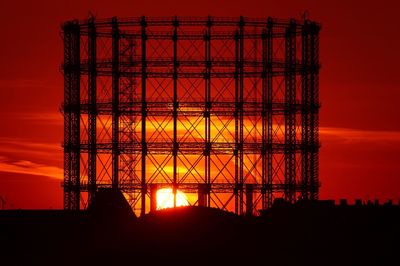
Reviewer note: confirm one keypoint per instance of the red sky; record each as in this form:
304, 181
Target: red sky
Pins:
359, 88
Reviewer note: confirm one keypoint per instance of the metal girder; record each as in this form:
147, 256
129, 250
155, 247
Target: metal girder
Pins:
115, 101
144, 115
207, 113
290, 114
314, 106
92, 113
72, 115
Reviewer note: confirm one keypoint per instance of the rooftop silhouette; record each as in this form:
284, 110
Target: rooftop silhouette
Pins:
306, 233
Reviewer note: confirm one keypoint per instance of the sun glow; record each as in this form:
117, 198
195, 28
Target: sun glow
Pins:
165, 198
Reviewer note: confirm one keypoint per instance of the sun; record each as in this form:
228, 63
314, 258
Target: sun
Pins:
165, 198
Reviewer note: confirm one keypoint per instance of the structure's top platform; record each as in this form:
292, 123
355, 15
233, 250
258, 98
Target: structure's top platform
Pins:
195, 21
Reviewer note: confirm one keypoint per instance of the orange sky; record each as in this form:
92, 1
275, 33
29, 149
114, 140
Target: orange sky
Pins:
359, 87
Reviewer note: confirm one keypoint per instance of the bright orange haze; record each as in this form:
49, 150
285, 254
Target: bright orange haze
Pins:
359, 90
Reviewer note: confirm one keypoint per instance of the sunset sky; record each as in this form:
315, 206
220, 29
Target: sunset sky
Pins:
359, 90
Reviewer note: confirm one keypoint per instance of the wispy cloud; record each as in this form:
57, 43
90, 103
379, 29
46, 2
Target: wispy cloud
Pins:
30, 144
29, 149
30, 168
23, 156
357, 135
42, 118
14, 151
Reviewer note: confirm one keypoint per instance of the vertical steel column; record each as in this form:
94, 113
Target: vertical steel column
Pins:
144, 115
72, 116
249, 199
175, 107
269, 109
241, 92
201, 195
314, 138
236, 114
67, 34
130, 90
207, 99
305, 112
115, 102
290, 112
92, 113
76, 117
153, 197
264, 121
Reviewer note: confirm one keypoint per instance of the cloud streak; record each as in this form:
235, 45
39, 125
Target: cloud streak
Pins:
23, 148
25, 154
21, 156
357, 135
42, 118
30, 168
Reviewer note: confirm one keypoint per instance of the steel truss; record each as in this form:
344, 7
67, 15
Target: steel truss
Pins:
224, 109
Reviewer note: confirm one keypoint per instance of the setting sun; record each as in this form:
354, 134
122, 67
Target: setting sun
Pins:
165, 198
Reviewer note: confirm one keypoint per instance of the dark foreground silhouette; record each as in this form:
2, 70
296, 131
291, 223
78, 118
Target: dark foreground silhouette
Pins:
306, 233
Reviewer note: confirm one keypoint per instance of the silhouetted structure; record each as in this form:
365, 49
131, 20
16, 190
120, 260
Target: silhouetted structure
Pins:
223, 108
107, 233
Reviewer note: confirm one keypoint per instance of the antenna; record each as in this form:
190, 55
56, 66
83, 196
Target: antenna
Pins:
91, 15
305, 15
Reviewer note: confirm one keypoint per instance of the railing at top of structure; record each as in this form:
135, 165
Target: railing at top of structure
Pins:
194, 21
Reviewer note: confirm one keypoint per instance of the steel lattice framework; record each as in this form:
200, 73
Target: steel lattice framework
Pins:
223, 109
